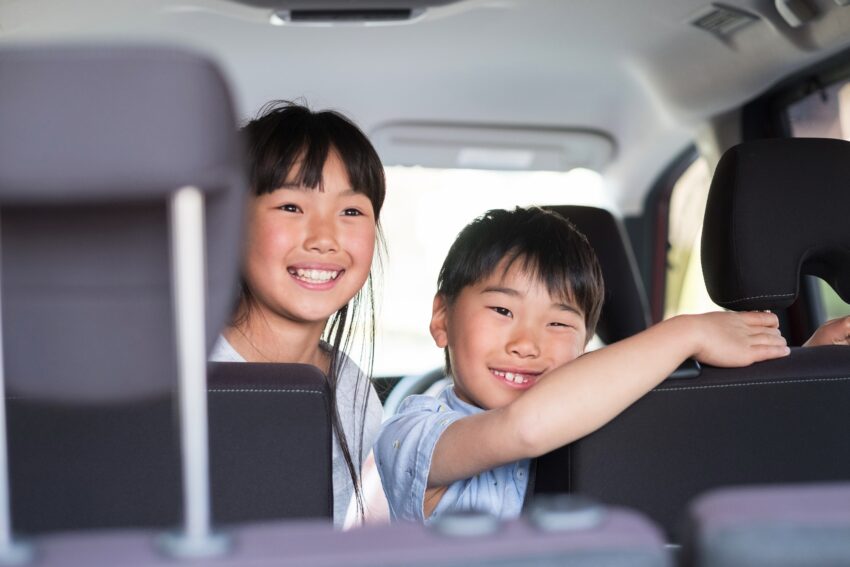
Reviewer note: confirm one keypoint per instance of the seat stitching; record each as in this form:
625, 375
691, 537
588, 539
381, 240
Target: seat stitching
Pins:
757, 297
744, 384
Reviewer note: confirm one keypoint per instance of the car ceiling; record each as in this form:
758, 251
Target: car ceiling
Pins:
636, 71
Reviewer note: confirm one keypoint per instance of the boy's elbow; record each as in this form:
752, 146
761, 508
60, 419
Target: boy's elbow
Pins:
529, 435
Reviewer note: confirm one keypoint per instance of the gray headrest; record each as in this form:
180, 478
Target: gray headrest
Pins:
93, 140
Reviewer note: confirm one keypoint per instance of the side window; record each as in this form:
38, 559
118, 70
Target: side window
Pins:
685, 288
824, 114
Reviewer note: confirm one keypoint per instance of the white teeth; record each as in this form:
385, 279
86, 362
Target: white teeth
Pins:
511, 377
316, 276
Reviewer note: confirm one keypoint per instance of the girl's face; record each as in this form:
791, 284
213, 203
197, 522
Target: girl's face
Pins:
309, 251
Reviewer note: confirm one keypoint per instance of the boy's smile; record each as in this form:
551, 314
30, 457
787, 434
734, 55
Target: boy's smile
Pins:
517, 378
504, 333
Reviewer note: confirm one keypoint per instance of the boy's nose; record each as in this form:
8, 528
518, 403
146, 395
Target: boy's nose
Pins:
524, 345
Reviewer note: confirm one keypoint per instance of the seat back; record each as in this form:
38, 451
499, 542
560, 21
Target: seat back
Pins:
118, 465
778, 421
270, 442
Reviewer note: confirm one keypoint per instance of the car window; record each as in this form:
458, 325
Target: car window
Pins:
685, 286
824, 113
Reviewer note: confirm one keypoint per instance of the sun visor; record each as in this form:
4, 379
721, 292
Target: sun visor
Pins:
449, 146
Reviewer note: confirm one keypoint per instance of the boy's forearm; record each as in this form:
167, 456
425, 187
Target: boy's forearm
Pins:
568, 403
585, 394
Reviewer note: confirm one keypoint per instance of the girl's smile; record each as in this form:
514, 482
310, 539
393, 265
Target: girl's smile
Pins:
316, 276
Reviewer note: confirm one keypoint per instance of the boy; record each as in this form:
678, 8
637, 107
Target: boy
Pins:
519, 296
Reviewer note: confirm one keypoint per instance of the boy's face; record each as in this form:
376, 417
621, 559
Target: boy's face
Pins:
503, 334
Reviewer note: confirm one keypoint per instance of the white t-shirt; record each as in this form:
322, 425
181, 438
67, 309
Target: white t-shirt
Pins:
357, 403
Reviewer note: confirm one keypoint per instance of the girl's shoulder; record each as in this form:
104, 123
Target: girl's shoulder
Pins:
347, 369
223, 351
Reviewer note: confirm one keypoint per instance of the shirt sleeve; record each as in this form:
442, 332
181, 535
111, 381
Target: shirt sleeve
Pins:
404, 450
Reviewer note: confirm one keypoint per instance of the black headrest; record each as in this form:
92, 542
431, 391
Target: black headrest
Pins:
624, 311
777, 209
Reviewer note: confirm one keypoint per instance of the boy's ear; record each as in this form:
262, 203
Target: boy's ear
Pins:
439, 322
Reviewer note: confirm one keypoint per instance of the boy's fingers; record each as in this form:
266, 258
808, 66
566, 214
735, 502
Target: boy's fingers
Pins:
768, 338
761, 318
767, 352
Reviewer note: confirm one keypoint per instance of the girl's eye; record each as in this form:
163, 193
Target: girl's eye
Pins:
352, 212
290, 208
502, 311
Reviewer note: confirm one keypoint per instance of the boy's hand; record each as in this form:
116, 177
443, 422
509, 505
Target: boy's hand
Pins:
834, 332
738, 339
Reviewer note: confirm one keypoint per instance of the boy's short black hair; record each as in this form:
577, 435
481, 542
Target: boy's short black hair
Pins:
551, 249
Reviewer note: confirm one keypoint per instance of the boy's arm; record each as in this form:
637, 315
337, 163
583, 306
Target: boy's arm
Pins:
581, 396
834, 332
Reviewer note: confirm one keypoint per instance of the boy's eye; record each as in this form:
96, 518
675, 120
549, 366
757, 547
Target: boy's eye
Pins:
290, 208
352, 212
502, 311
559, 324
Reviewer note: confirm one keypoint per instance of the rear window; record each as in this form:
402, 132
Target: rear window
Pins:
685, 287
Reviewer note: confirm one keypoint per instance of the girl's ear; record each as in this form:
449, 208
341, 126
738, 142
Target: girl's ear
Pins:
438, 321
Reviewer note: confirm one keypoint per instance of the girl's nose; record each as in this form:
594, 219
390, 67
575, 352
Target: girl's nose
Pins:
321, 236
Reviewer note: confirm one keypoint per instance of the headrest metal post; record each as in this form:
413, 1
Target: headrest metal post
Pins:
188, 269
11, 552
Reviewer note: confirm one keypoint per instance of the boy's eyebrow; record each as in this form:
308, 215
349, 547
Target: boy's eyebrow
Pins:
498, 289
568, 307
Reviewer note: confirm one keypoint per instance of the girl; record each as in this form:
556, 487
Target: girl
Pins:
312, 229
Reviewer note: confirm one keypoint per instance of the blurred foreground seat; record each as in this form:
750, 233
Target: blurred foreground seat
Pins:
772, 526
615, 538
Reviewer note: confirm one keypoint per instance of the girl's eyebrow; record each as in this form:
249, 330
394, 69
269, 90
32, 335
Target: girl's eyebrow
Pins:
296, 187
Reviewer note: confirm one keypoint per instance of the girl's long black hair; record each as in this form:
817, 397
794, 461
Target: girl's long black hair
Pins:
285, 134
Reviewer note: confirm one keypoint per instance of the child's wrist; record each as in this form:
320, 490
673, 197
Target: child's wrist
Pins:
687, 332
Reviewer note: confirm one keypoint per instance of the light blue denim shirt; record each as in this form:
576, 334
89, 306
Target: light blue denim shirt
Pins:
403, 453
